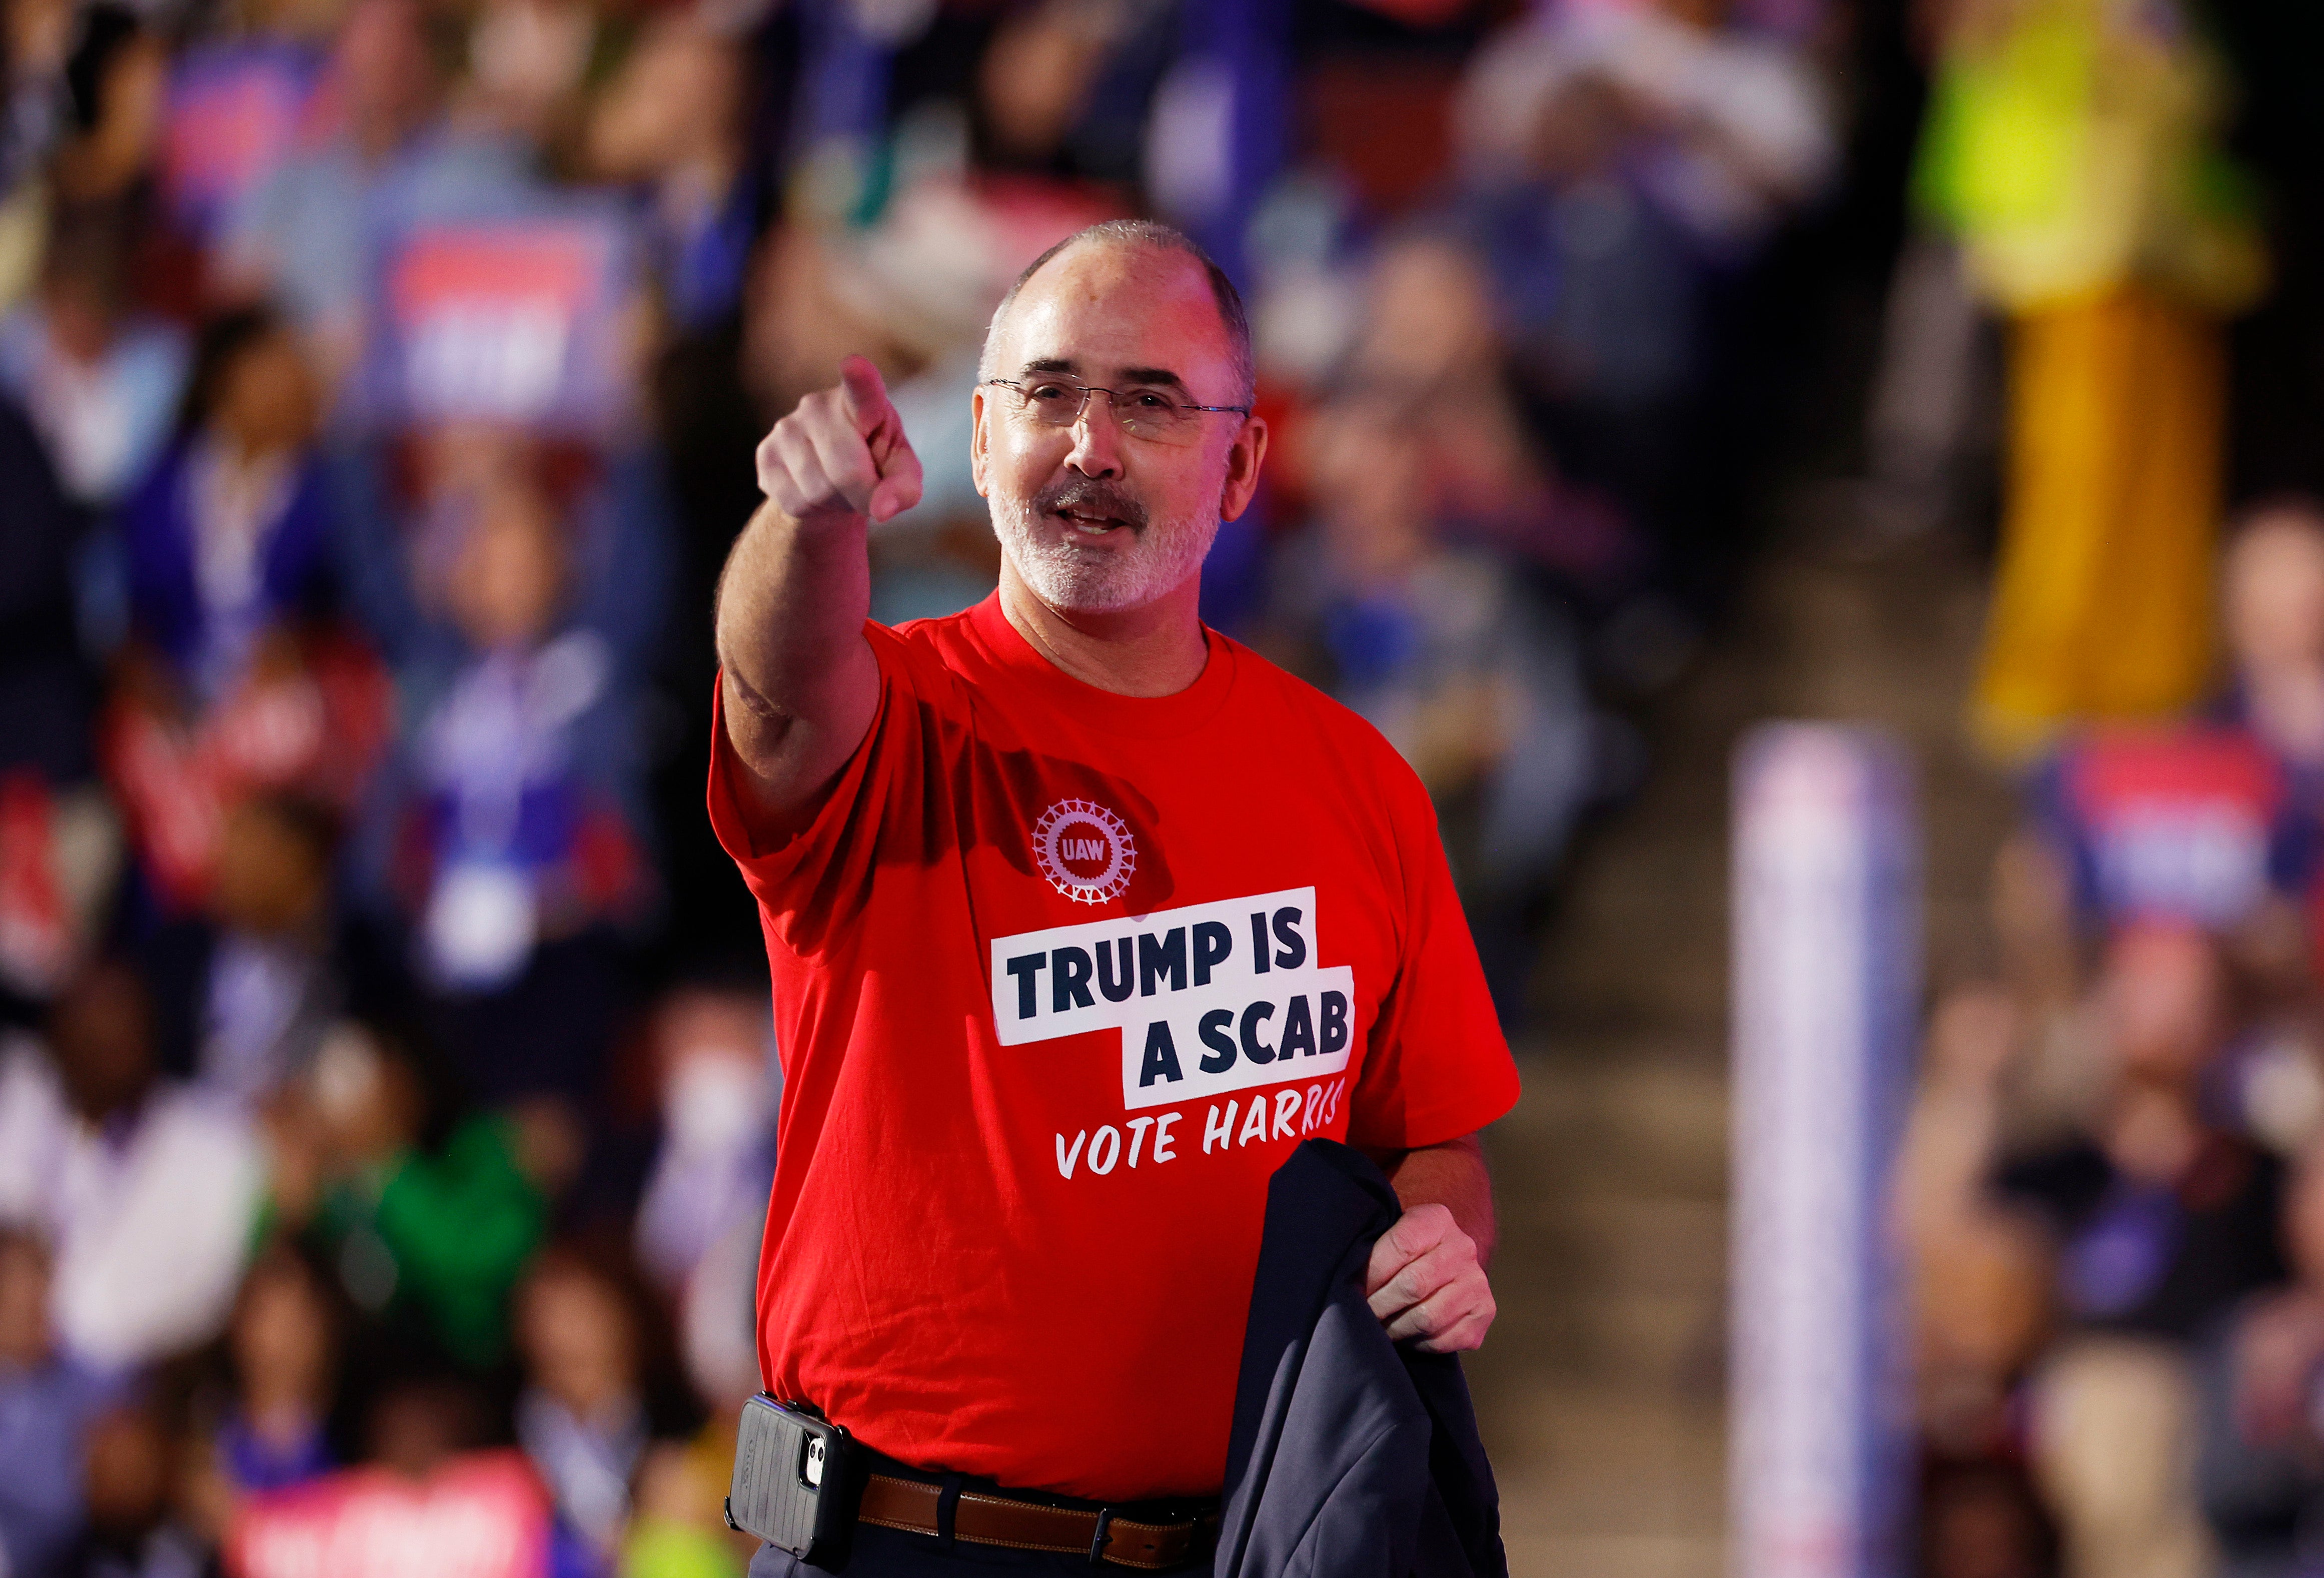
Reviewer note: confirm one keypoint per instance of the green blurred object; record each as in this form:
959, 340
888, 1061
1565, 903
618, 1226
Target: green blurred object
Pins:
2073, 147
447, 1234
662, 1547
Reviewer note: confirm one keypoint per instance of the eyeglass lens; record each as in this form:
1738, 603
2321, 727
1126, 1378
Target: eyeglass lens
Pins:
1144, 412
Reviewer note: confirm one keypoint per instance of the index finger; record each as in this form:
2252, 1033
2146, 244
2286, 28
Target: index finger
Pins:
866, 392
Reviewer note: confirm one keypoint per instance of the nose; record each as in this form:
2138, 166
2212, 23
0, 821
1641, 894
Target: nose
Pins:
1097, 438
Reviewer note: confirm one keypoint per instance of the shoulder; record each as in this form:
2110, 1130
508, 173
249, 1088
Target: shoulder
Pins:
930, 657
1319, 723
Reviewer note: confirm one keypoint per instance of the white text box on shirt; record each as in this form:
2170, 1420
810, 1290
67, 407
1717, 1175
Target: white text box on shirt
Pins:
1209, 998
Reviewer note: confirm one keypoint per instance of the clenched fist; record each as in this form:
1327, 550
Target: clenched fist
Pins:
841, 452
1425, 1281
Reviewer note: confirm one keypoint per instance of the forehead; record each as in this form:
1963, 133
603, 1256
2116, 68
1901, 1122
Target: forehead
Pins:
1110, 307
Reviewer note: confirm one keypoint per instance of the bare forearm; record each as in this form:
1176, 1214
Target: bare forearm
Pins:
1452, 1175
799, 683
791, 606
791, 599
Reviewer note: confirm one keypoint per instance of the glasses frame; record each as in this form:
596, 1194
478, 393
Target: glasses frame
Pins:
1112, 399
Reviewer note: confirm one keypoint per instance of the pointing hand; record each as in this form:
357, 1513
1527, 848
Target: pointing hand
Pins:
841, 452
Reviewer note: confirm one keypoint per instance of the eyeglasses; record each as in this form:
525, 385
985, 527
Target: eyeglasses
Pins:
1143, 411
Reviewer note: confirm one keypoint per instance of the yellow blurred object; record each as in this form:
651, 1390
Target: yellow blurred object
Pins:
2102, 608
2073, 147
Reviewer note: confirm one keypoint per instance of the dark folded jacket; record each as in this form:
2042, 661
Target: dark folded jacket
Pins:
1351, 1457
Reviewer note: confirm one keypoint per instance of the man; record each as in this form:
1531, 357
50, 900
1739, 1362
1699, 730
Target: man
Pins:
1081, 916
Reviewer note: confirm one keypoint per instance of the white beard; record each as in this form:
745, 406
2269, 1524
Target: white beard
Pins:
1107, 579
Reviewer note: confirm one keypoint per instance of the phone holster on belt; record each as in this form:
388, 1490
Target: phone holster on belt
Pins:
795, 1480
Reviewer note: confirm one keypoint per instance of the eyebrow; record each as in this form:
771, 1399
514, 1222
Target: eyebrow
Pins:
1067, 366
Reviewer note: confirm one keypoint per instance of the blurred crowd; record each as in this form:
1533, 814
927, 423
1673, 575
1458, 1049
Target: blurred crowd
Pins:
385, 1085
2111, 1200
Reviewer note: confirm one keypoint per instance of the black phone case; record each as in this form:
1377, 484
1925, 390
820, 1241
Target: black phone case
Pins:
780, 1453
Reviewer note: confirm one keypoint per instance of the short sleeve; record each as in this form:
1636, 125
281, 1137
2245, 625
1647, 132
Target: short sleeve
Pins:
809, 880
1437, 1066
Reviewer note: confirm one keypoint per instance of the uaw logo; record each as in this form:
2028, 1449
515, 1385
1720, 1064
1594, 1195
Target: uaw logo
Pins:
1085, 851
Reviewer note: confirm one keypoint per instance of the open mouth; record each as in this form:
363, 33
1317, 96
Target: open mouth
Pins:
1088, 523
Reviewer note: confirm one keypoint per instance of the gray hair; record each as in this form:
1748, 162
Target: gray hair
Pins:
1160, 237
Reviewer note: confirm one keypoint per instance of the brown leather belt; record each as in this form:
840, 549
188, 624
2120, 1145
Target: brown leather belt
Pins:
985, 1518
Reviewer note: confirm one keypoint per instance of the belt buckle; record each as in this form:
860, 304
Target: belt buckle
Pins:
1097, 1541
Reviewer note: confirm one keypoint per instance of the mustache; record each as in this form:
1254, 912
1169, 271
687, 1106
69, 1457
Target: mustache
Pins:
1091, 495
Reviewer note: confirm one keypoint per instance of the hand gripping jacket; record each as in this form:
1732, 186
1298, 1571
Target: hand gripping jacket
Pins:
1351, 1456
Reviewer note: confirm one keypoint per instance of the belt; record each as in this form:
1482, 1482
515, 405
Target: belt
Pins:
986, 1519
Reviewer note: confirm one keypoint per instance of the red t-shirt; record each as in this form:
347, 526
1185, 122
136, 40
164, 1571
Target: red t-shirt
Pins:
1060, 978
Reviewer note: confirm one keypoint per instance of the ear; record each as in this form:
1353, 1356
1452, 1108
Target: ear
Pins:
979, 409
1244, 457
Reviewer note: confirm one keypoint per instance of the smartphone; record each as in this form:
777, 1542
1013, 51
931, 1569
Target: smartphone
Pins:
793, 1480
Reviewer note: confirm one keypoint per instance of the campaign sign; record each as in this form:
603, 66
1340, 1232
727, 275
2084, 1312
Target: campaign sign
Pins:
482, 1515
235, 112
1826, 965
512, 320
2190, 824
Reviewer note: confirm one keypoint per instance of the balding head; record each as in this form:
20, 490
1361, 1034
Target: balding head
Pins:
1145, 234
1100, 514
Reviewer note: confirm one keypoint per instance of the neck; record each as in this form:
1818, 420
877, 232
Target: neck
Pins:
1158, 649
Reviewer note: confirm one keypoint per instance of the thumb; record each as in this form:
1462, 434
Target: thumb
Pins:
866, 392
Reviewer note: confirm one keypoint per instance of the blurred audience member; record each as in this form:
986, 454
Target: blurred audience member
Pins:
518, 625
2165, 1214
425, 1214
101, 381
59, 840
36, 37
718, 1081
147, 1190
1473, 681
2273, 585
1728, 126
581, 1415
133, 1469
231, 537
2130, 1239
239, 678
527, 62
1978, 1270
418, 1422
671, 123
2262, 1454
2164, 1221
45, 1402
307, 236
115, 80
283, 1347
523, 845
261, 980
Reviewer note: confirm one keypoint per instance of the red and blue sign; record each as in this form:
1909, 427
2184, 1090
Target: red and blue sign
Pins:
236, 113
515, 321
